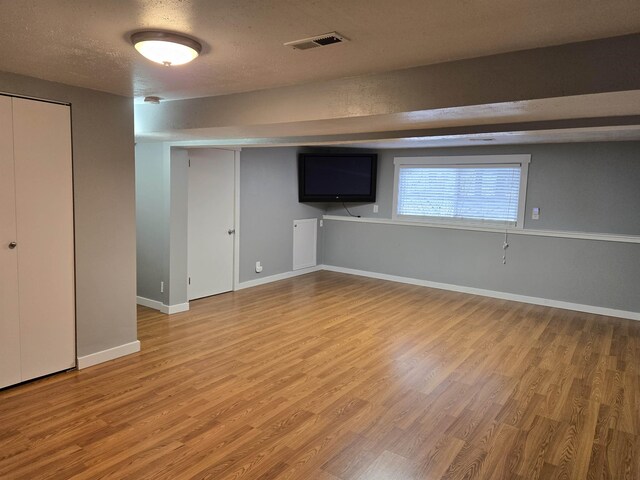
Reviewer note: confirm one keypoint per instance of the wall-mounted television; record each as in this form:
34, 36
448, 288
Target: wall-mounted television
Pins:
333, 177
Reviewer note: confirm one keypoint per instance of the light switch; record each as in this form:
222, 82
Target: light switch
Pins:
535, 213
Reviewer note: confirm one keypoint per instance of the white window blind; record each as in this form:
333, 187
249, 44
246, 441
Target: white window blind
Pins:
460, 193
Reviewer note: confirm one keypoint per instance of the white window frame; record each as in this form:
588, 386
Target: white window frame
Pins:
478, 160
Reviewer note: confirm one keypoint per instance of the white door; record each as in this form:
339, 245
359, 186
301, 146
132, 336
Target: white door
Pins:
9, 318
211, 221
44, 212
305, 240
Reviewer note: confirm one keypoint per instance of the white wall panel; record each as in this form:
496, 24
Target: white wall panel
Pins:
305, 235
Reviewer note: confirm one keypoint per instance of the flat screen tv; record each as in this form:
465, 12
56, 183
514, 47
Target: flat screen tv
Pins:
330, 177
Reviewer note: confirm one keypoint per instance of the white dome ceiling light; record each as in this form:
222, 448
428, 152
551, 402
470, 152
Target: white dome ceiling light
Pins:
166, 48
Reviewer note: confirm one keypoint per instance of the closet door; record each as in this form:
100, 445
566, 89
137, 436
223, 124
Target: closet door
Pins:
44, 212
9, 319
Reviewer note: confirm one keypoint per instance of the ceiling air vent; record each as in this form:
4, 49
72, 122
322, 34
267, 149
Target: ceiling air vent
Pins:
317, 41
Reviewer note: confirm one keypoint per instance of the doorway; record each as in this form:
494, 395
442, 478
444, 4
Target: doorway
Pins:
211, 231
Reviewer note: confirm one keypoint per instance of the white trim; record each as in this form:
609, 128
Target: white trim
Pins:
177, 308
202, 144
521, 160
463, 222
147, 302
187, 144
464, 160
522, 196
490, 293
236, 239
156, 305
605, 237
611, 312
108, 354
278, 277
39, 99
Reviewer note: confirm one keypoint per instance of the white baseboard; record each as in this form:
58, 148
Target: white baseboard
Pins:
611, 312
147, 302
279, 276
156, 305
109, 354
177, 308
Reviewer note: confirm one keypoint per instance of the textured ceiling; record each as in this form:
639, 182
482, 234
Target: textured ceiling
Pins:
85, 43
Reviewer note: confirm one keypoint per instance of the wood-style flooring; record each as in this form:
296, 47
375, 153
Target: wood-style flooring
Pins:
330, 376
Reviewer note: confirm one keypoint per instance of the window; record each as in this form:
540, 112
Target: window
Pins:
488, 189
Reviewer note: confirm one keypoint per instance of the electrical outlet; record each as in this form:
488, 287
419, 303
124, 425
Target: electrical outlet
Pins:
258, 267
375, 209
161, 287
321, 223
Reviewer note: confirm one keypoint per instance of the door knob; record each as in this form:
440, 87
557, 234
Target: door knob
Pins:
13, 245
231, 231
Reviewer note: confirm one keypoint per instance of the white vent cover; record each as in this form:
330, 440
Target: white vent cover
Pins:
317, 41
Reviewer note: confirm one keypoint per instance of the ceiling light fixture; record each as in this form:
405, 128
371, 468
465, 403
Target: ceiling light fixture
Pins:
166, 48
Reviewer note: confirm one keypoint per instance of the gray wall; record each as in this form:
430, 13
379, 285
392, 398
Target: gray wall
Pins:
151, 220
161, 205
584, 187
104, 209
603, 274
579, 187
268, 206
592, 187
178, 248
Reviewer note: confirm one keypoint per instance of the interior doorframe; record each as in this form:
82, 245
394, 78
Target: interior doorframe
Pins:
236, 207
236, 220
68, 104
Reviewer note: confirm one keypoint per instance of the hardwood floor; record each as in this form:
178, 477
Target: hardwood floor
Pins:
331, 376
